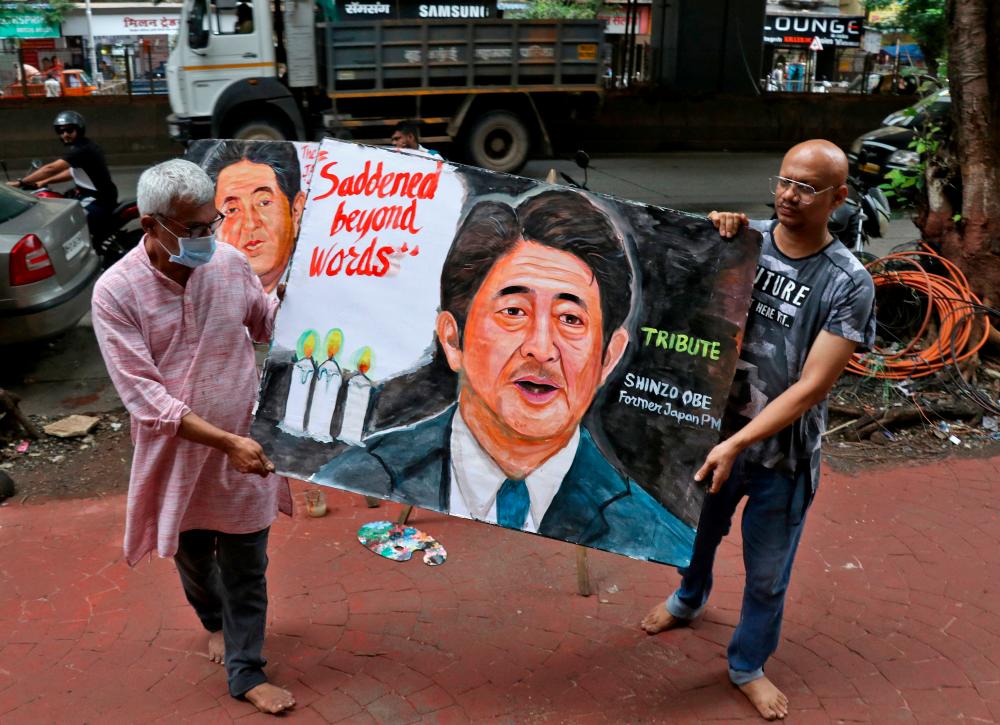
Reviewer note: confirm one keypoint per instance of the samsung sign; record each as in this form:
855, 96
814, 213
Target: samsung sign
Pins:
411, 9
842, 32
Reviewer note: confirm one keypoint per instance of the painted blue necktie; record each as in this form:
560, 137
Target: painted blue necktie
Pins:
512, 504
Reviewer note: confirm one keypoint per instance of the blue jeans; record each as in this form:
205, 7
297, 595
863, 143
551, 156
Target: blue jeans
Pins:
772, 525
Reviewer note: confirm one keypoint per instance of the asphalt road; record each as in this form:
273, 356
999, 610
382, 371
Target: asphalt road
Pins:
67, 375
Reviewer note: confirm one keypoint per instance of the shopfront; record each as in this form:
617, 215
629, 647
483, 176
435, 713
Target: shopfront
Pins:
23, 29
132, 42
627, 28
811, 53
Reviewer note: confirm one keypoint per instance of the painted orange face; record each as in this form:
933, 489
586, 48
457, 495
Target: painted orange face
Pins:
532, 357
259, 220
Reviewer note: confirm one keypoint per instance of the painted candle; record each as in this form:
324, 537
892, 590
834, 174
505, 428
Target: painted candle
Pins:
359, 390
300, 385
324, 399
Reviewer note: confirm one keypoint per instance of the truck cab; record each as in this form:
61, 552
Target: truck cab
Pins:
222, 75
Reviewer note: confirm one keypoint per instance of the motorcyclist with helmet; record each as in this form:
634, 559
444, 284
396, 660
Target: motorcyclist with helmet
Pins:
84, 165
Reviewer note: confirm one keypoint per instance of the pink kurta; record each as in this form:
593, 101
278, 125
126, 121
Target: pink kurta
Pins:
171, 350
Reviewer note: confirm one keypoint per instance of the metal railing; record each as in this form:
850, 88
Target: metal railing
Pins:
122, 71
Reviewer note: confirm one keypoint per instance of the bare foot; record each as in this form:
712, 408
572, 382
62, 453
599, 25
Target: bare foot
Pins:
770, 702
270, 699
217, 647
660, 620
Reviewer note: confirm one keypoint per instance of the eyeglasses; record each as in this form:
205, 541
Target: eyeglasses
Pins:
197, 230
60, 130
805, 193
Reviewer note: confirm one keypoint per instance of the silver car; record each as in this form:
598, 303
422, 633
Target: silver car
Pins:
47, 266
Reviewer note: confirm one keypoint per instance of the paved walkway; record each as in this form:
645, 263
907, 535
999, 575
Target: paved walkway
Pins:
894, 615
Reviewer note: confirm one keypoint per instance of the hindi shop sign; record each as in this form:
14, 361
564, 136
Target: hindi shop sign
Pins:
18, 21
841, 32
504, 350
614, 18
116, 25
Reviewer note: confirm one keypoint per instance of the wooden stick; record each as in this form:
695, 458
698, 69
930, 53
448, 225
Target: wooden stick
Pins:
899, 417
836, 428
582, 573
404, 516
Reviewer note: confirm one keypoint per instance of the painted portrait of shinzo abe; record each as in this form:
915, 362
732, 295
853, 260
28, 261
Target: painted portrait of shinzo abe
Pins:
259, 189
538, 296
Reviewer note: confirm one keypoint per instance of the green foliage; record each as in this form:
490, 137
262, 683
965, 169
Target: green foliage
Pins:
56, 10
928, 142
557, 10
923, 19
53, 11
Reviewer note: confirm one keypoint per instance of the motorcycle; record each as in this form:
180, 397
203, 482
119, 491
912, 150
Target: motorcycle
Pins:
121, 231
864, 215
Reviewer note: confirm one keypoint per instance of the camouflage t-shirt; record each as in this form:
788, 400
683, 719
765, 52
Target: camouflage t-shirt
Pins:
793, 299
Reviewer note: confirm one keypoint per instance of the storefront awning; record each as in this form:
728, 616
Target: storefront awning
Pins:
911, 50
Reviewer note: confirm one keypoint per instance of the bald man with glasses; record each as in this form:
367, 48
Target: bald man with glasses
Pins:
812, 307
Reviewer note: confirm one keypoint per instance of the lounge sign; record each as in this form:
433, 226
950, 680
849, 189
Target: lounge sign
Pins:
838, 31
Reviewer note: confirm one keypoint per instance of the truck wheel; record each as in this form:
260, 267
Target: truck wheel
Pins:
499, 141
260, 129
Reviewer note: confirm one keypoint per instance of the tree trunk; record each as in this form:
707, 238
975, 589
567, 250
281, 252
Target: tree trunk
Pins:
973, 240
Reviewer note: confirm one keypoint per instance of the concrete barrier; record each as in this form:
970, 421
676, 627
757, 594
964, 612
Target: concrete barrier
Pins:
650, 121
134, 131
131, 131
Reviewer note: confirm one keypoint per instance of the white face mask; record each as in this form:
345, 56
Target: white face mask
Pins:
193, 251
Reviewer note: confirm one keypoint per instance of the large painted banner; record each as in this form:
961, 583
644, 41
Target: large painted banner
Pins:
496, 348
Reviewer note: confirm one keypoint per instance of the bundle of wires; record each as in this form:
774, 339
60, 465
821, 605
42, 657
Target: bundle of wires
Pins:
954, 325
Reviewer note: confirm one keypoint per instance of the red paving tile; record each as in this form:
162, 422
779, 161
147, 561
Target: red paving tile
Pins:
893, 616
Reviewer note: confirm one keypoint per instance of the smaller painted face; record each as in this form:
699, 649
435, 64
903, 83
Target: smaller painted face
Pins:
259, 221
532, 354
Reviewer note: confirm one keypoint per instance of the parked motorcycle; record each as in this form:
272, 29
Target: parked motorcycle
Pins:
863, 216
121, 231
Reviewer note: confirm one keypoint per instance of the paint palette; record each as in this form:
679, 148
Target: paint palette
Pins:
392, 541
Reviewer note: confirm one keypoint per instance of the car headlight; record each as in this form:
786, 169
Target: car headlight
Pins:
904, 157
856, 146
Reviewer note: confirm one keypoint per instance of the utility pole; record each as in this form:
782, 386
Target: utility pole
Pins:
94, 71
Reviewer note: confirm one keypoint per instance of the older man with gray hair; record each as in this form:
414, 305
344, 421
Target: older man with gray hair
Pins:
172, 319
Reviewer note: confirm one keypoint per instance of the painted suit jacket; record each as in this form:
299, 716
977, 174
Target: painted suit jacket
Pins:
595, 506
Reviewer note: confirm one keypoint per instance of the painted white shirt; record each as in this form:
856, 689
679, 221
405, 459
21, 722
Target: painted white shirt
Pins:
476, 478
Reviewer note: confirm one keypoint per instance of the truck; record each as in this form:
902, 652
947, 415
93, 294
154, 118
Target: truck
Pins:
303, 70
